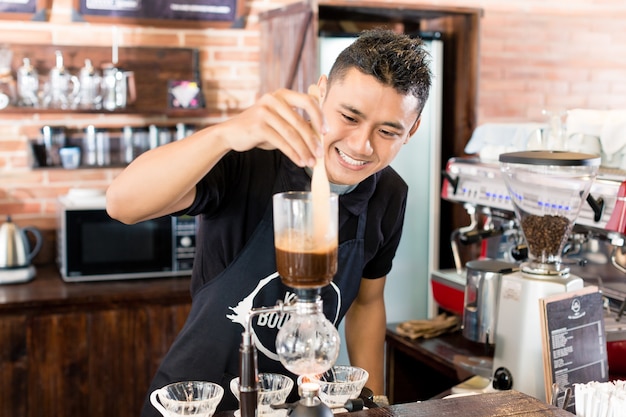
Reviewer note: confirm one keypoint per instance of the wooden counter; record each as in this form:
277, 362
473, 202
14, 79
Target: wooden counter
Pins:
85, 349
499, 404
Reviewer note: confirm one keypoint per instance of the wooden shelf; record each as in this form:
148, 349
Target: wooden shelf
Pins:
153, 69
167, 112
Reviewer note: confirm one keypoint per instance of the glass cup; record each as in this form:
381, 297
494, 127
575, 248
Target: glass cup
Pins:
54, 138
70, 157
305, 237
339, 384
187, 398
273, 390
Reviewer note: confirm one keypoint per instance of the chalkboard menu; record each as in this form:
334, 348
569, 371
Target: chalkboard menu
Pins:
574, 341
163, 10
18, 6
24, 9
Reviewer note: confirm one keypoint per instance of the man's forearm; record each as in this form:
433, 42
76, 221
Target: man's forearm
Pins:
365, 338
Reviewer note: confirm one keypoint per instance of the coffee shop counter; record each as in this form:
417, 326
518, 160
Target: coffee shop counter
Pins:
85, 348
497, 404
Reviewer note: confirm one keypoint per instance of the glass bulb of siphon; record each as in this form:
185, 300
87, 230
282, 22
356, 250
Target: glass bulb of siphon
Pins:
308, 343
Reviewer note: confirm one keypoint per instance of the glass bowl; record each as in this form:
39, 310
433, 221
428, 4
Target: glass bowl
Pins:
339, 384
187, 398
273, 390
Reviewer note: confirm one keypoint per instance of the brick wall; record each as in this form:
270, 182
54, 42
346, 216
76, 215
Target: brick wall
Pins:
537, 55
533, 55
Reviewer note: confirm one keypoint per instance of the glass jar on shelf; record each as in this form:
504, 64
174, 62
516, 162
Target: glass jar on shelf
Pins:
7, 82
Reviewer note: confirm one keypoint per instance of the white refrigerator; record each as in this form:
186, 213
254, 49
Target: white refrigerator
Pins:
407, 292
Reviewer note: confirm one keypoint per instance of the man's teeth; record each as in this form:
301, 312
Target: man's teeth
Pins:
349, 160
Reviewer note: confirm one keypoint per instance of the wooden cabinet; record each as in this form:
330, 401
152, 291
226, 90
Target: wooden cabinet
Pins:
289, 59
418, 370
87, 349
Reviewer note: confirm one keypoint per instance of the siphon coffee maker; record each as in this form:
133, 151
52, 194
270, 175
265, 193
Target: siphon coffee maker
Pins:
547, 189
306, 243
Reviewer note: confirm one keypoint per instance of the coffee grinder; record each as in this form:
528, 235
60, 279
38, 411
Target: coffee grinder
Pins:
547, 189
306, 243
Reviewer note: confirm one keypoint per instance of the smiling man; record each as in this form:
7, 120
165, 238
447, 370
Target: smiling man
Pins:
368, 107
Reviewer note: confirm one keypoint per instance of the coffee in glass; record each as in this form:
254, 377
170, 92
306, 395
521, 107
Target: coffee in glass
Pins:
306, 248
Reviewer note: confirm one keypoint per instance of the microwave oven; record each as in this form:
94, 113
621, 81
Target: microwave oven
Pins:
91, 246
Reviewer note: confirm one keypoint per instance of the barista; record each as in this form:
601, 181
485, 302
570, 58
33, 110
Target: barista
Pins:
370, 106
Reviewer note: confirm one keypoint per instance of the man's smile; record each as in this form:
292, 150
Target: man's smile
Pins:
349, 160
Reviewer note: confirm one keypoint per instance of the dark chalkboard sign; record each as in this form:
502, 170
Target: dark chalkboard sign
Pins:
24, 9
24, 6
161, 10
574, 341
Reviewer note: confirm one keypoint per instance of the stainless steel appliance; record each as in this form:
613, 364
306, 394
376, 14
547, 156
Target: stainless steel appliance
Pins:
118, 88
594, 250
482, 292
17, 253
94, 247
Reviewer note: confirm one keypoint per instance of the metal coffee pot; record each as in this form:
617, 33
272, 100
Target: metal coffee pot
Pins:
118, 88
89, 95
15, 249
62, 87
482, 292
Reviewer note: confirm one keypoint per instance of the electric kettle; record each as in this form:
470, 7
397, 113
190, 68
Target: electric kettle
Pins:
15, 249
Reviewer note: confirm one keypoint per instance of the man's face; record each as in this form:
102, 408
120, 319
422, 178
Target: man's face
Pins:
368, 123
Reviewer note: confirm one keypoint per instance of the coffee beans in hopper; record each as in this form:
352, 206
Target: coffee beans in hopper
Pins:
544, 233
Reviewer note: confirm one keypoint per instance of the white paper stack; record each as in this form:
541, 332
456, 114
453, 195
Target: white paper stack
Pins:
600, 399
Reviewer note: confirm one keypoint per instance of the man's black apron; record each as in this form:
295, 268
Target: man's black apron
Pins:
208, 345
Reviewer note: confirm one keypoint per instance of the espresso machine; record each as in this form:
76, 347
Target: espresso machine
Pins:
306, 242
587, 250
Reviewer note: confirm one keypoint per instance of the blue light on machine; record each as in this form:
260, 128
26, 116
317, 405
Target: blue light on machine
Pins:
489, 194
553, 206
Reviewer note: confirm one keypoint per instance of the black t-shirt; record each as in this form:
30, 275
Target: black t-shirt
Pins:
235, 195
